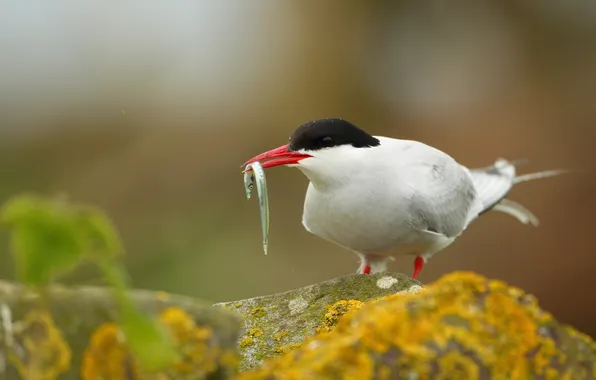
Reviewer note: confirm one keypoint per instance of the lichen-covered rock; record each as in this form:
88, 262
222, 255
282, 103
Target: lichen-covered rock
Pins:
278, 323
464, 326
70, 333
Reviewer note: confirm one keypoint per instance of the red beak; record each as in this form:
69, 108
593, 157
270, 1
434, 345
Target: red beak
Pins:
276, 157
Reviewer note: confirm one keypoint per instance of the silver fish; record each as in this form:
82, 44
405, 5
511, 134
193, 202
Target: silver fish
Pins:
249, 183
259, 178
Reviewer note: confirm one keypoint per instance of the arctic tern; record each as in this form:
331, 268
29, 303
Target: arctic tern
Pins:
380, 197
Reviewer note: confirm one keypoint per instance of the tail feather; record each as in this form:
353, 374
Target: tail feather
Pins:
518, 211
493, 184
539, 175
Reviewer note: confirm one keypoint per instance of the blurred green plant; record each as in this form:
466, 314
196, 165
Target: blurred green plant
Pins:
50, 237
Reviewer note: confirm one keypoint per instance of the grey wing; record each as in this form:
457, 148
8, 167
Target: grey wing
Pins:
493, 183
444, 199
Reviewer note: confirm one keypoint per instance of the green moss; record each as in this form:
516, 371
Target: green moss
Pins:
259, 355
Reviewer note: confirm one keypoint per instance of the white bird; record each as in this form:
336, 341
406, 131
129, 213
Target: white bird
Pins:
380, 197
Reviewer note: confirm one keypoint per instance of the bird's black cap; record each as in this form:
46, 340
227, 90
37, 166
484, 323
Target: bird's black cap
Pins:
327, 133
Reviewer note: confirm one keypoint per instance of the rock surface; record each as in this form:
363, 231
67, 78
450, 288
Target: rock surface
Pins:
70, 334
278, 323
464, 326
383, 326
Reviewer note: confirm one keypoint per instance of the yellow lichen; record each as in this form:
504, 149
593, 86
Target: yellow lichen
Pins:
258, 312
335, 311
183, 326
108, 357
343, 307
246, 342
455, 365
43, 353
459, 327
286, 349
237, 305
255, 332
552, 374
280, 335
192, 342
384, 372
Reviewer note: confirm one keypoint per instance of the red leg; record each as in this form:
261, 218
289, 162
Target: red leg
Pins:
366, 269
418, 264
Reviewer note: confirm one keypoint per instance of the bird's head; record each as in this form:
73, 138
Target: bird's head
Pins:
322, 149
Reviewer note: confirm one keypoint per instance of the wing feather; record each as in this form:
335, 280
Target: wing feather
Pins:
443, 196
494, 183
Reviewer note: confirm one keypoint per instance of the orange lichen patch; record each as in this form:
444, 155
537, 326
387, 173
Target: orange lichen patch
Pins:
107, 357
335, 311
42, 352
463, 326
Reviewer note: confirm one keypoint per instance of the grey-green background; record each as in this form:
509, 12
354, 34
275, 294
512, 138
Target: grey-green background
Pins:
148, 109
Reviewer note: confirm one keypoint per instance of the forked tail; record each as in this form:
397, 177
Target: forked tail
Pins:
493, 183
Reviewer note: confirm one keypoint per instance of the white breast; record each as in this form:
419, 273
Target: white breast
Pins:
373, 222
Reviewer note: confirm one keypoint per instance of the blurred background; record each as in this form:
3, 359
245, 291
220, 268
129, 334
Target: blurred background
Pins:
148, 109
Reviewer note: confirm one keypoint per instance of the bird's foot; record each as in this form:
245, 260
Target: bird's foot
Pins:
418, 264
371, 264
364, 268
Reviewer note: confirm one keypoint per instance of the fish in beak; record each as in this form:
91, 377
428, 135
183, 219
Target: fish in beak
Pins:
276, 157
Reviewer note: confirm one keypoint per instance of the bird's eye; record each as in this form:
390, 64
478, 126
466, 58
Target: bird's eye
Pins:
326, 141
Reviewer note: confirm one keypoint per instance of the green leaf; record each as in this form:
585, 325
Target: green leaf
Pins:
50, 236
149, 342
19, 208
101, 235
44, 251
44, 239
